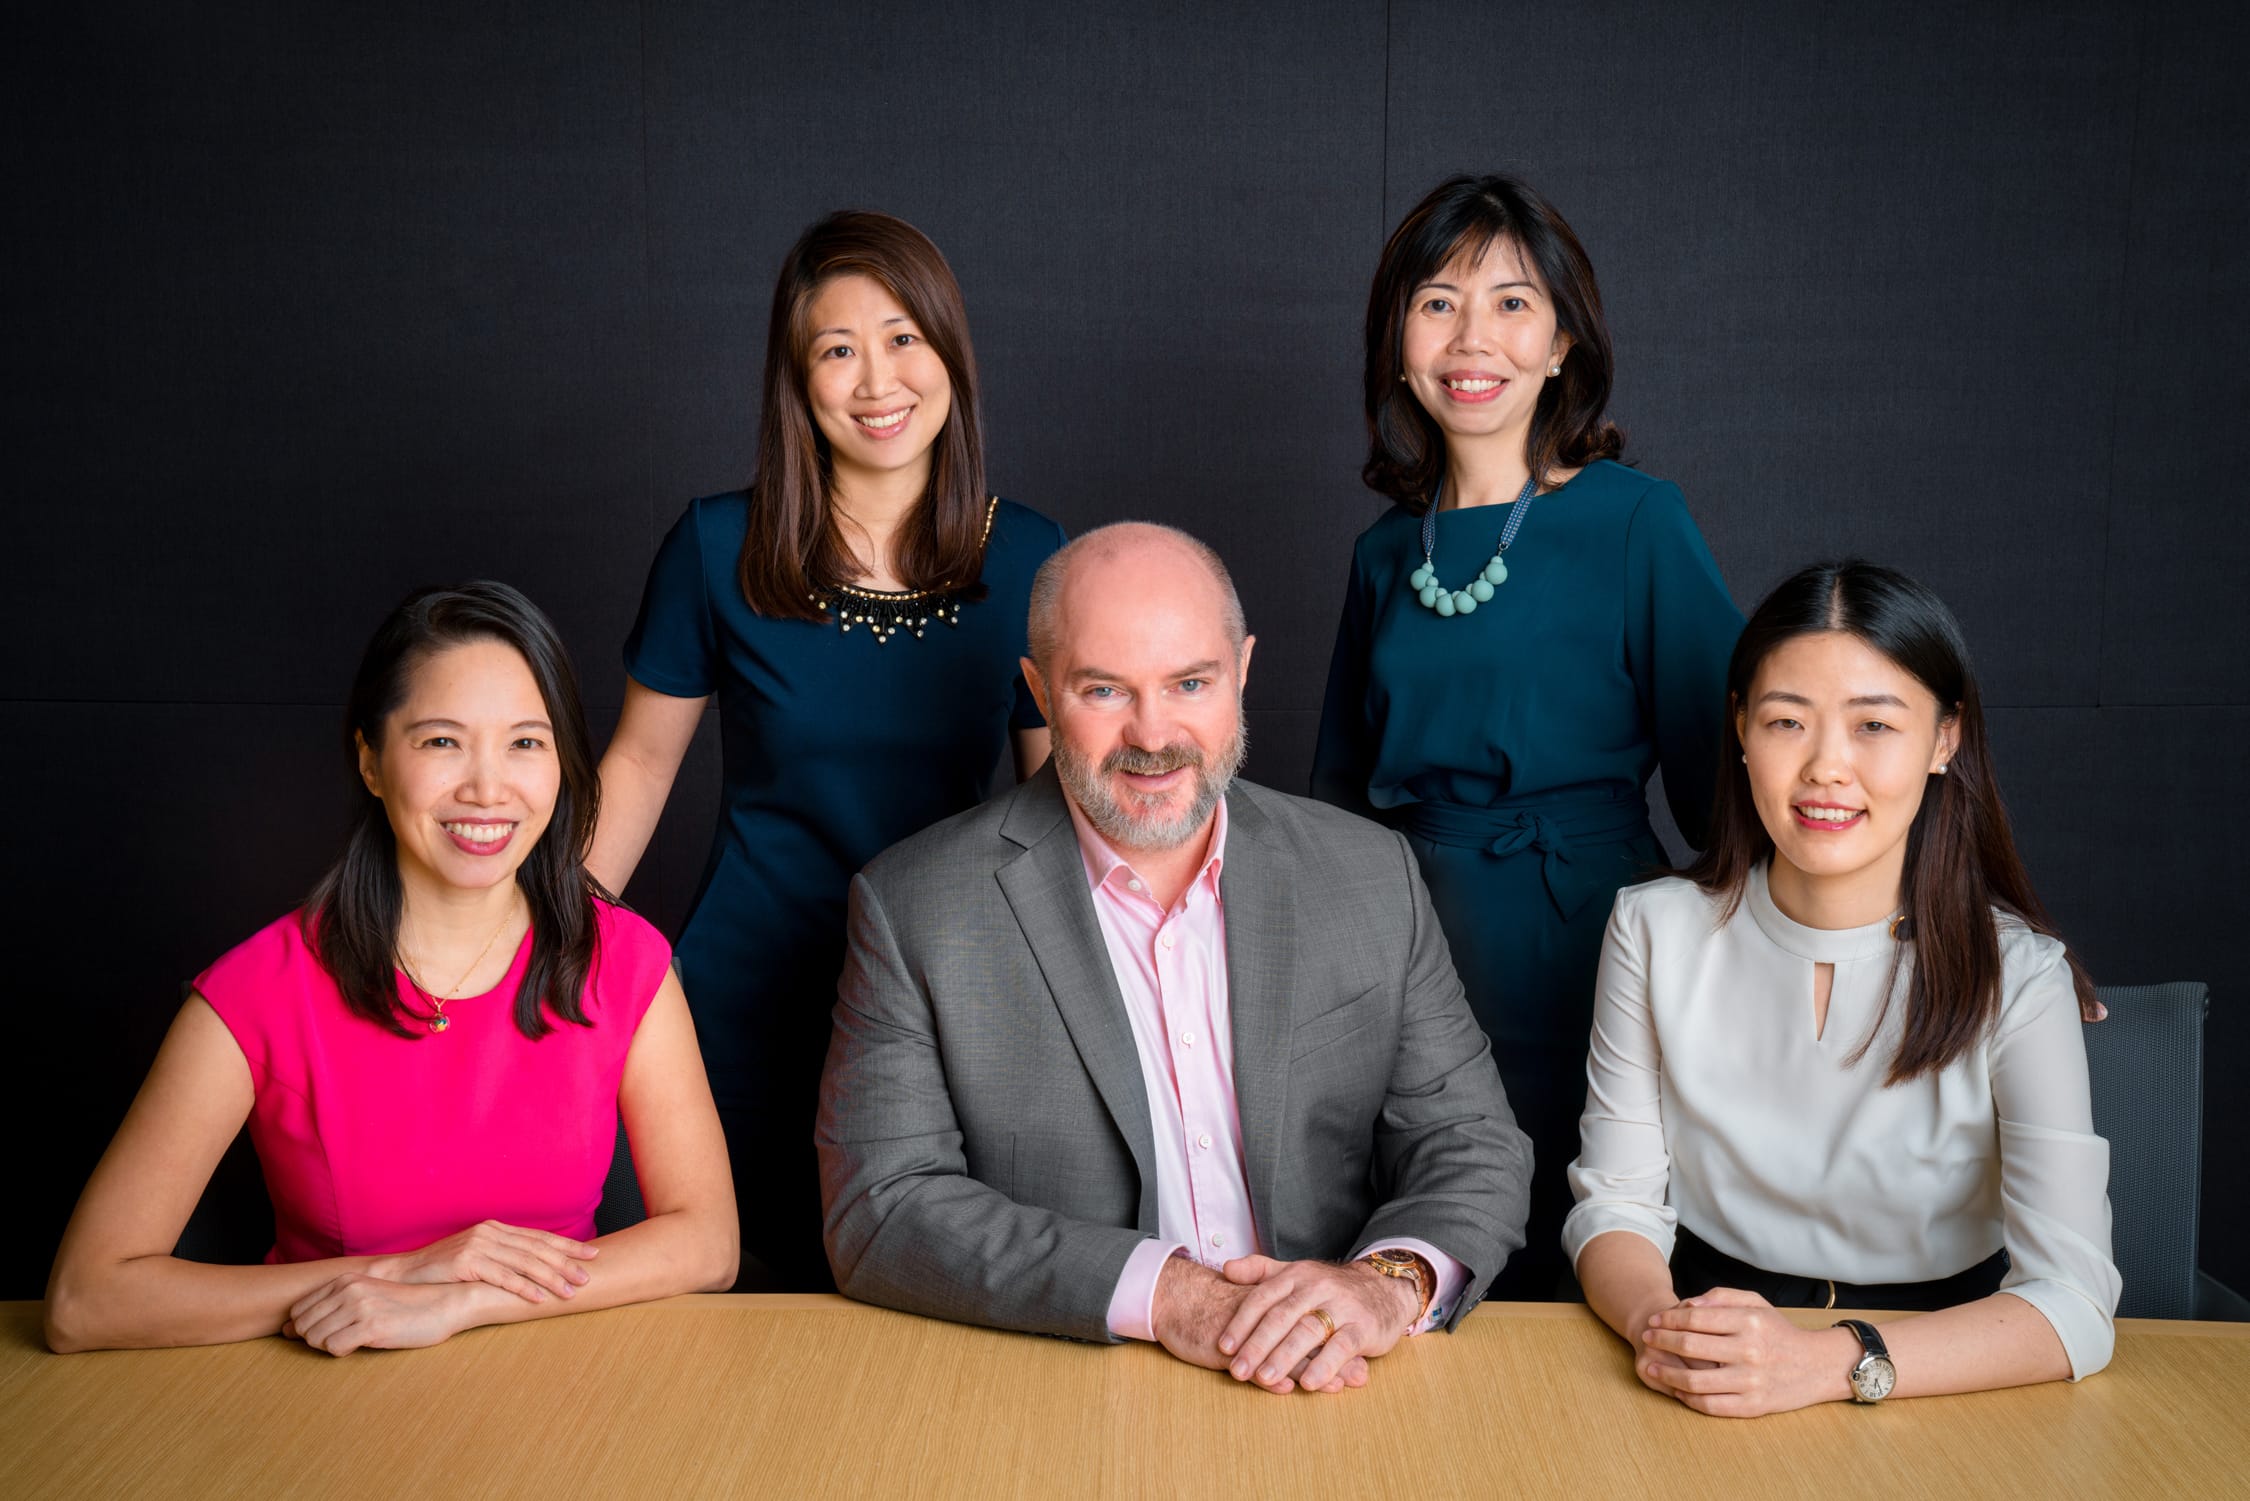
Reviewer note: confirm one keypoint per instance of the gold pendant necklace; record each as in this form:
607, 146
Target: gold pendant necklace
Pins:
438, 1020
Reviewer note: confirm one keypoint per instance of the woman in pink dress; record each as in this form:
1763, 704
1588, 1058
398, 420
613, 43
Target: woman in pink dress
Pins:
432, 1055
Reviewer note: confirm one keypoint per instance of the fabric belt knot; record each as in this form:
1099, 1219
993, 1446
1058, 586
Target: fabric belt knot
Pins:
1558, 827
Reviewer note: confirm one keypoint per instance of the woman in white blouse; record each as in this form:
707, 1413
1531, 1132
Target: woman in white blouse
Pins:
1838, 1063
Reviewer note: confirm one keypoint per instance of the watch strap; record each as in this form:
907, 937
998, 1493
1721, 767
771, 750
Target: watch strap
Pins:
1870, 1339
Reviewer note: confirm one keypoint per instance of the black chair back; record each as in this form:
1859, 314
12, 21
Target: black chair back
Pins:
2146, 1064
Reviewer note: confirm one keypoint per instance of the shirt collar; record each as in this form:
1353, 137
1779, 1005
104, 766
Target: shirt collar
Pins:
1103, 863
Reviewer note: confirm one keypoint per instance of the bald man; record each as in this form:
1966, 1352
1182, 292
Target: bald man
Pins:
1137, 1050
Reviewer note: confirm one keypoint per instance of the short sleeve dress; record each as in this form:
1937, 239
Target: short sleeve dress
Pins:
1512, 746
372, 1143
834, 746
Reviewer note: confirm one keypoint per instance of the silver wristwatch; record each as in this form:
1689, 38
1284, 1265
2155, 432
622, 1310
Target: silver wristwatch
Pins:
1874, 1376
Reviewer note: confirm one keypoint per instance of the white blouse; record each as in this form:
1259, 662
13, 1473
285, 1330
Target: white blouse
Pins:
1711, 1101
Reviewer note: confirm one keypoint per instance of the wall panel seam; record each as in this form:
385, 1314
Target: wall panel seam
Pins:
1383, 194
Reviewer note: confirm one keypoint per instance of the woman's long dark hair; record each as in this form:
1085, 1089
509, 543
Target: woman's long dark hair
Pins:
1961, 860
795, 551
352, 916
1464, 215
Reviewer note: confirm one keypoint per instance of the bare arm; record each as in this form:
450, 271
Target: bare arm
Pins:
1032, 748
1973, 1347
116, 1283
1625, 1279
643, 757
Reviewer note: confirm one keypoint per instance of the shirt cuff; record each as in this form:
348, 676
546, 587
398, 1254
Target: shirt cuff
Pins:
1451, 1277
1132, 1307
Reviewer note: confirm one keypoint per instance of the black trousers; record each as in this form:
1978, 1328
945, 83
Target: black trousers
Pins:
1698, 1266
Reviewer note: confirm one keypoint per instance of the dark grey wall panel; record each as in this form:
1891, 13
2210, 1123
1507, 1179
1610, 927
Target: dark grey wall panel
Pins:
327, 303
203, 824
2176, 619
1859, 301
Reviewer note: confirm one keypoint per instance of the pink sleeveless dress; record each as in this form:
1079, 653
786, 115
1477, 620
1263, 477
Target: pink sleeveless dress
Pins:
373, 1143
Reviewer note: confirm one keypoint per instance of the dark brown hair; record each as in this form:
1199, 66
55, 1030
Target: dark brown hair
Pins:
795, 550
1961, 860
1464, 215
352, 916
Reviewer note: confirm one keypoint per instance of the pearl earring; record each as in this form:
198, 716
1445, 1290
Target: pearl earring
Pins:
1554, 369
1941, 767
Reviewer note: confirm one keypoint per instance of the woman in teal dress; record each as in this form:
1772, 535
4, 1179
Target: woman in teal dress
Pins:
1530, 631
858, 613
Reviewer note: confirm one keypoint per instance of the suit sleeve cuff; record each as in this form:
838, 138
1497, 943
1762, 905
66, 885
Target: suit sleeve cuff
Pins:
1451, 1277
1132, 1307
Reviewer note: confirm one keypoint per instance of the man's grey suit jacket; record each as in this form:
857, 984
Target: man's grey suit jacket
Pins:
985, 1144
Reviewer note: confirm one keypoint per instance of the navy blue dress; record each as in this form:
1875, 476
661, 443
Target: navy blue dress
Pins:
1511, 747
834, 748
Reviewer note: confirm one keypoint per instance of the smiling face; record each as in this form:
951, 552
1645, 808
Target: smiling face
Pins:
1840, 743
1477, 343
467, 770
1143, 691
879, 392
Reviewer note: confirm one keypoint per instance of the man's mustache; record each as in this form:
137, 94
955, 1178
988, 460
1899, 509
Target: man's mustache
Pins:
1148, 763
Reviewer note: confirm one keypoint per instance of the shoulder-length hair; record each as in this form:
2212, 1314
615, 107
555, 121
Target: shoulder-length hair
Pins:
1464, 215
795, 551
352, 916
1961, 860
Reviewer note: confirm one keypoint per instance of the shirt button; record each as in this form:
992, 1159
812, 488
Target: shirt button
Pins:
1217, 1239
1132, 885
1165, 939
1204, 1141
1187, 1039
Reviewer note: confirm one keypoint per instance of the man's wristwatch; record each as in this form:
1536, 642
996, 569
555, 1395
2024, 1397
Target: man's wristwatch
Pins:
1874, 1376
1407, 1264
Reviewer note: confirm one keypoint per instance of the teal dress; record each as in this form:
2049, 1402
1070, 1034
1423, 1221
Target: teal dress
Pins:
1511, 746
833, 747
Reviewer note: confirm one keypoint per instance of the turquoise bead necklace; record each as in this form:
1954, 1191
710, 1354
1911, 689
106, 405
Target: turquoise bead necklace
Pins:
1423, 580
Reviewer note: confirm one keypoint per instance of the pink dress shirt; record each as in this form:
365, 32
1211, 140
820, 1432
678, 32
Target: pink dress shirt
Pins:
374, 1143
1172, 972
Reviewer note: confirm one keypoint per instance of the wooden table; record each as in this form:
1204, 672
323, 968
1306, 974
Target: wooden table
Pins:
819, 1397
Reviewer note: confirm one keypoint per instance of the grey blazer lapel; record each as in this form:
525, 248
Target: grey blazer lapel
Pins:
1258, 884
1046, 888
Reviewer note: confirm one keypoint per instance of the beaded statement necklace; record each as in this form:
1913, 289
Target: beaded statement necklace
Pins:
886, 612
1424, 580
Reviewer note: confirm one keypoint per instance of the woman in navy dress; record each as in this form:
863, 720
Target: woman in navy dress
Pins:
858, 612
1530, 631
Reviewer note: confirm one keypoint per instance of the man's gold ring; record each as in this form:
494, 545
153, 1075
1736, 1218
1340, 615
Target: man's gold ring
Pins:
1326, 1323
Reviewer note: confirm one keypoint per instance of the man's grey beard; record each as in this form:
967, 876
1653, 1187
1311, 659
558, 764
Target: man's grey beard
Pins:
1134, 829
